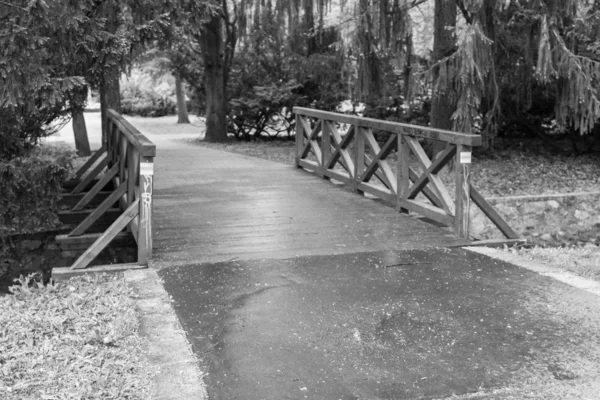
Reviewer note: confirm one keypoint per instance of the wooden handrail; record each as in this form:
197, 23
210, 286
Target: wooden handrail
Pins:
355, 158
394, 127
143, 145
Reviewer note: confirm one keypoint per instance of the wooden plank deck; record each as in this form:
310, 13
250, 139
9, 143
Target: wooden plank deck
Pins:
211, 205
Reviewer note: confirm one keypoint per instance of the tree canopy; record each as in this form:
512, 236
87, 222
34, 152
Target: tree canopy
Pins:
494, 64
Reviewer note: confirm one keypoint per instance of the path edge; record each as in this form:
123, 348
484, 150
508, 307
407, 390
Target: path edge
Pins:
568, 278
177, 371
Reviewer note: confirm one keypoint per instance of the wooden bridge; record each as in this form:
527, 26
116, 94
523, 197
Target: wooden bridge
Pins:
208, 205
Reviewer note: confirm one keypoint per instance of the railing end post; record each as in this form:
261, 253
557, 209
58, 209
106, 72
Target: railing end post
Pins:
462, 170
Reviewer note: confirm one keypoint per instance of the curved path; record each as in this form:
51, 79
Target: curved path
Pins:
291, 288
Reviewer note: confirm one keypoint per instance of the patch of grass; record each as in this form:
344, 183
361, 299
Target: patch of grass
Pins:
71, 340
582, 261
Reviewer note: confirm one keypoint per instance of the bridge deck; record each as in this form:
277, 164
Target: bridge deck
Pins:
210, 205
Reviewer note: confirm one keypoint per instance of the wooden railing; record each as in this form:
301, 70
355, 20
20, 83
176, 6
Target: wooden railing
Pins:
357, 159
126, 160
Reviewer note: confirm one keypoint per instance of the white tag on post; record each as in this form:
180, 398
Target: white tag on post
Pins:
146, 168
465, 157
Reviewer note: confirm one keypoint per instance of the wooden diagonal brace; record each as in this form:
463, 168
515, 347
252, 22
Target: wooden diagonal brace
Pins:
92, 252
379, 162
85, 200
105, 205
97, 154
492, 214
340, 146
437, 184
435, 167
312, 143
92, 175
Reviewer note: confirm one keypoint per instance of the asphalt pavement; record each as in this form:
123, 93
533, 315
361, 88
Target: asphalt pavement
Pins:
414, 324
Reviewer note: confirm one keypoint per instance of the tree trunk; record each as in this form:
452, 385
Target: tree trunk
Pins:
491, 93
308, 28
110, 96
444, 43
82, 143
211, 41
182, 111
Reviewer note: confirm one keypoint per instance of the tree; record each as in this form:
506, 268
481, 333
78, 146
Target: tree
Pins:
214, 32
444, 44
40, 45
558, 60
182, 111
52, 50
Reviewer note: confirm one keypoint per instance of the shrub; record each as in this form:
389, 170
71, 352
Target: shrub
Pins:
144, 95
31, 187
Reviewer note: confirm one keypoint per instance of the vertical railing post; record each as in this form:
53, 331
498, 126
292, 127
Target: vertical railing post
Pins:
132, 172
403, 170
123, 149
462, 168
325, 146
299, 139
116, 134
359, 154
146, 182
108, 133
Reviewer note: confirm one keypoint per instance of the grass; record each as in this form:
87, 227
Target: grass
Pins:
582, 261
72, 340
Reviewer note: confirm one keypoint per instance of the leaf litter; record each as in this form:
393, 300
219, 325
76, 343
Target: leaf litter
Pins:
72, 340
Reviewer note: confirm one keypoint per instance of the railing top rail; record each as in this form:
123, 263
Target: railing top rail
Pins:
394, 127
144, 146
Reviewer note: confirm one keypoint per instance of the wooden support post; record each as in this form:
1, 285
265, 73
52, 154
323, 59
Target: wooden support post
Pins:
106, 204
462, 168
359, 154
116, 144
144, 237
403, 171
88, 256
325, 146
123, 149
82, 170
132, 172
299, 139
92, 175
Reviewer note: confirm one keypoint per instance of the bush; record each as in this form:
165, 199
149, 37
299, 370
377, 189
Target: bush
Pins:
31, 189
146, 96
